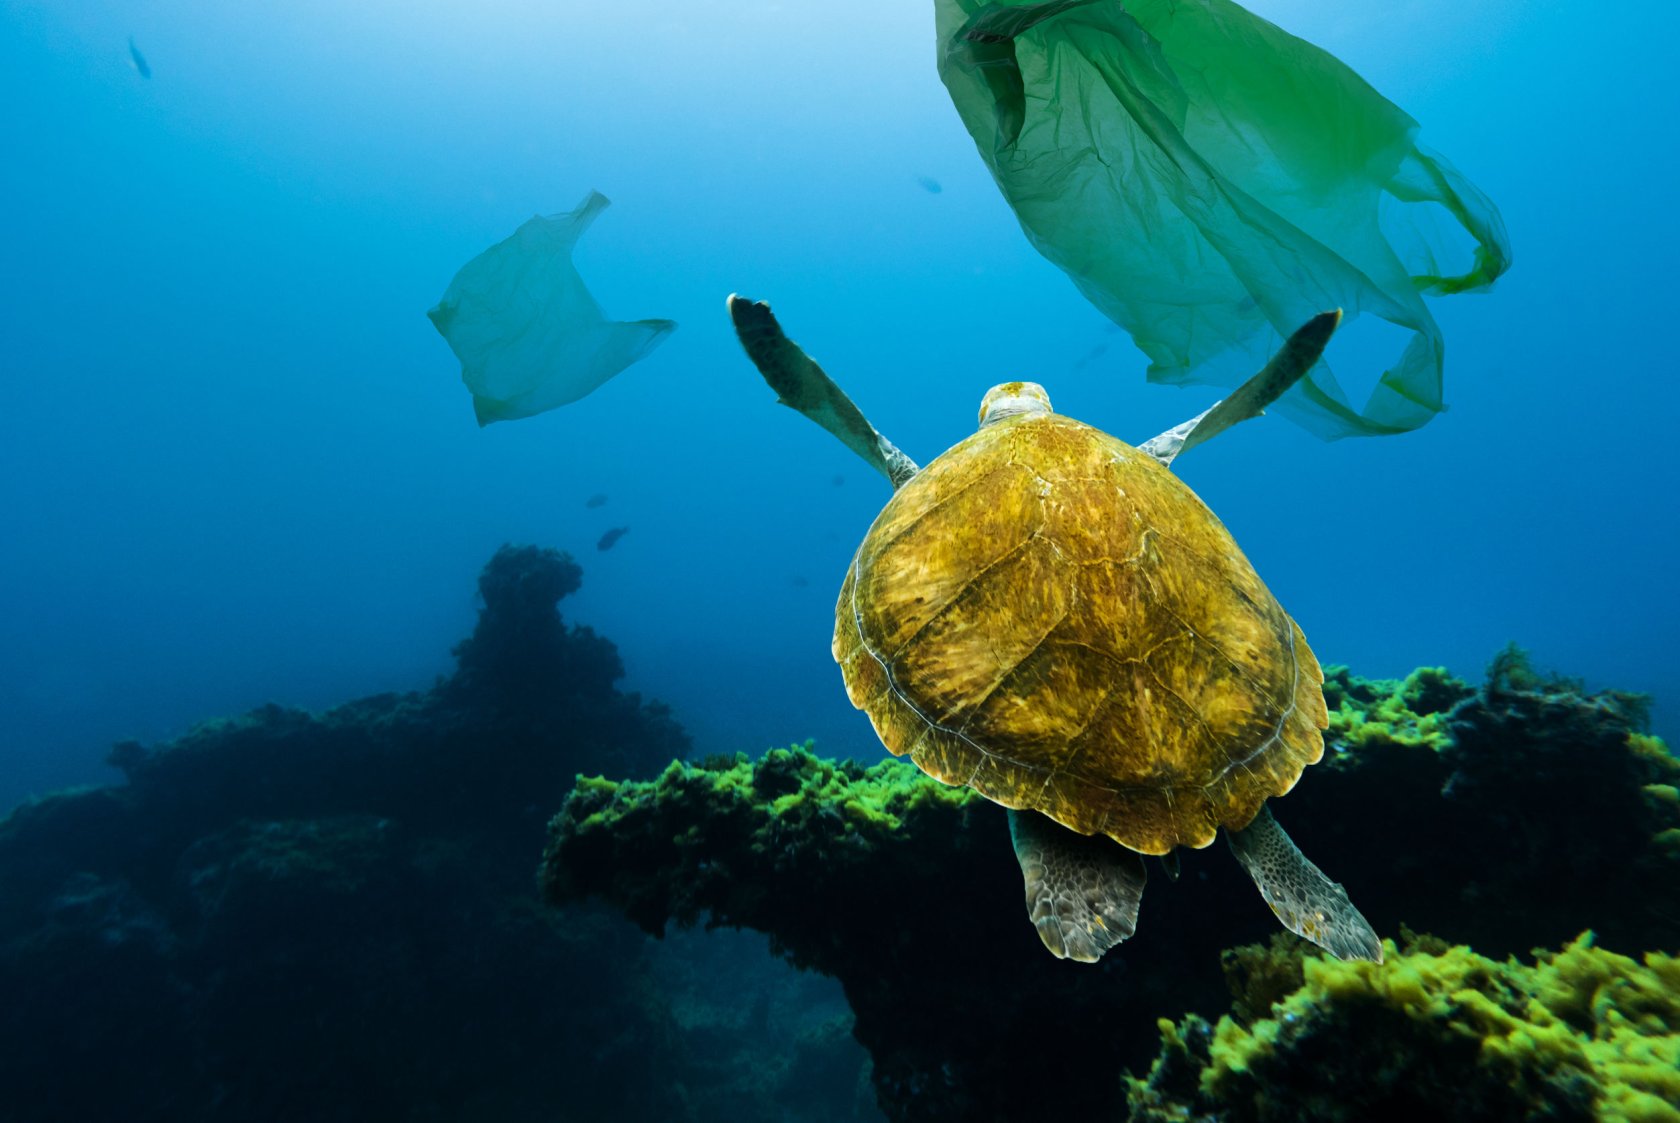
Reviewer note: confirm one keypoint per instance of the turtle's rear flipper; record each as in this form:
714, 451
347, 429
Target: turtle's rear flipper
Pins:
1308, 903
1082, 891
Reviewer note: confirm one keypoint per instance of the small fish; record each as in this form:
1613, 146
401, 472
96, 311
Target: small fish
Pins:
138, 59
599, 499
611, 536
1098, 351
800, 581
929, 184
1091, 356
839, 481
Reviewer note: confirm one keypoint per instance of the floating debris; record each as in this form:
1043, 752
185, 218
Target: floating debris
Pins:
141, 66
611, 536
1269, 161
528, 334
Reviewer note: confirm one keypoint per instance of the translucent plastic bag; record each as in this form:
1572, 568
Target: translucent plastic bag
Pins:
1210, 182
527, 332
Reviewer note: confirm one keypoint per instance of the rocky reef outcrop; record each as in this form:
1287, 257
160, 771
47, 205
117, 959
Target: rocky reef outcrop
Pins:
297, 916
333, 916
1505, 817
1437, 1032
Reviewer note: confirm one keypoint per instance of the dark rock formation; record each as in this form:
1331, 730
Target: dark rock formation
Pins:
323, 917
1541, 811
1509, 818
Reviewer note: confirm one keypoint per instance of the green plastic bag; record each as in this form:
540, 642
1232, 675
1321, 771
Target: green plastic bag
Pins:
527, 332
1210, 182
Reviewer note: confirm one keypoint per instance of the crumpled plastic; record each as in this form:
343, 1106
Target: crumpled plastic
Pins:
1210, 182
528, 334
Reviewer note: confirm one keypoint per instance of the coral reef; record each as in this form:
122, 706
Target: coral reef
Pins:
901, 887
1506, 818
794, 819
333, 917
1438, 1032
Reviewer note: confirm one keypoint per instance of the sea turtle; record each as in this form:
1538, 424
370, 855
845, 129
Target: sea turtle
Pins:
1050, 616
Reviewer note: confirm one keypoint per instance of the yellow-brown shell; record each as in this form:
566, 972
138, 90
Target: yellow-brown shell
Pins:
1054, 619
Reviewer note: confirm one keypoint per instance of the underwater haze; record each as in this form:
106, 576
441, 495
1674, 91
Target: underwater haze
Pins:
389, 734
237, 464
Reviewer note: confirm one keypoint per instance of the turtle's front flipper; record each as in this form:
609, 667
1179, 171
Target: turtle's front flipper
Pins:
800, 383
1308, 903
1300, 351
1082, 890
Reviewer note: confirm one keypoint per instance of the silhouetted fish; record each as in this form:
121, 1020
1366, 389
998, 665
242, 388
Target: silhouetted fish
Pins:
611, 536
1091, 356
799, 581
1097, 351
599, 499
838, 480
929, 184
138, 59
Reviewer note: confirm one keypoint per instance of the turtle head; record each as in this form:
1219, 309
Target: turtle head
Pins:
1012, 398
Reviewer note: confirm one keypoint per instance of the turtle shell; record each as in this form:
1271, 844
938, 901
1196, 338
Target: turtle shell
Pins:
1051, 617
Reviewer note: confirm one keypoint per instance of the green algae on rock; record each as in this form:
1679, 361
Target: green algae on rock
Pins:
1209, 182
1438, 1032
713, 837
1542, 812
886, 880
1507, 817
1414, 711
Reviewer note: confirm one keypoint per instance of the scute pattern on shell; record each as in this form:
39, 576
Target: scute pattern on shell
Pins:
1054, 619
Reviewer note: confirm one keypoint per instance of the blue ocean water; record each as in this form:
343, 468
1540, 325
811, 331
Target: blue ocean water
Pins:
237, 464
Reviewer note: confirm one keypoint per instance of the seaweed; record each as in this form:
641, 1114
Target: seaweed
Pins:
1505, 826
1439, 1032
